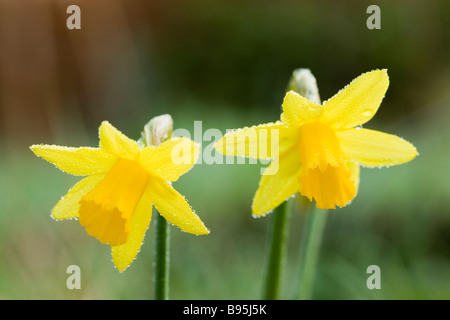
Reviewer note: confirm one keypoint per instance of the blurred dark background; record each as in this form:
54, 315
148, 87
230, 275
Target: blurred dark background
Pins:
226, 63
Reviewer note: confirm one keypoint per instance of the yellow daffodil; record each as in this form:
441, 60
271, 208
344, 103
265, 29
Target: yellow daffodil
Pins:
114, 202
321, 147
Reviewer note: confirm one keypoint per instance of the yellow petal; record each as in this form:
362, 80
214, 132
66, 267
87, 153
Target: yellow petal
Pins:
374, 148
319, 146
124, 254
68, 206
174, 208
358, 102
106, 211
171, 159
279, 186
77, 161
115, 142
261, 142
354, 173
297, 110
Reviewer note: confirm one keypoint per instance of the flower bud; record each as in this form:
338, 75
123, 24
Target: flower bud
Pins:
304, 83
157, 130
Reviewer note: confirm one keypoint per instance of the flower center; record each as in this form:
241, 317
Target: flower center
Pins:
106, 211
325, 175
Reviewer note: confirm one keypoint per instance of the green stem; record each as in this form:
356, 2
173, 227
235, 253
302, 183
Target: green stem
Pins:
161, 289
156, 131
278, 249
309, 251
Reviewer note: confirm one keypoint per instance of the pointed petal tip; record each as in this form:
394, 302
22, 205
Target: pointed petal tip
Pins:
200, 230
34, 148
382, 73
204, 232
258, 212
103, 124
414, 152
120, 268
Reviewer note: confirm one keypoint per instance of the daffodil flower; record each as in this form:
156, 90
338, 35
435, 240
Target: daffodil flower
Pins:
114, 202
321, 147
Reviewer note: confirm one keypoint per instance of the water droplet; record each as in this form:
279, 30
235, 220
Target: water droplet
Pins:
367, 114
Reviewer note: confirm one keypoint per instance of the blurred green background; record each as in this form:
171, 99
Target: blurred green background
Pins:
226, 63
